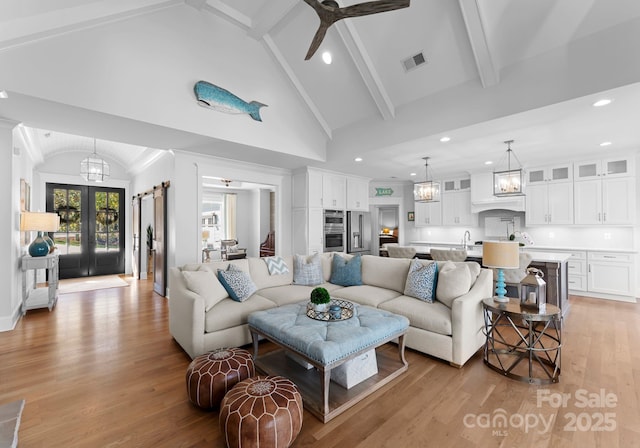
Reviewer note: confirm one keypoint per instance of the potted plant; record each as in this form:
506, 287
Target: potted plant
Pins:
320, 298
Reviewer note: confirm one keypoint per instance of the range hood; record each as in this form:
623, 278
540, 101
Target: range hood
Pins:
482, 198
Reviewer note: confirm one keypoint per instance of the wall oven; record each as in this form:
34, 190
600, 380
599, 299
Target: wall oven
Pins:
333, 231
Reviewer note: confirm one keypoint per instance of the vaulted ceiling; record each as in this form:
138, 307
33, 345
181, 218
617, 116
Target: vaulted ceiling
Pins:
495, 70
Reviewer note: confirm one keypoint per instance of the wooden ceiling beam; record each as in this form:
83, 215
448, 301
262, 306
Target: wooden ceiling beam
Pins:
489, 74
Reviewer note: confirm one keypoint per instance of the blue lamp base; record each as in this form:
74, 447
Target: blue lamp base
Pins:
501, 289
38, 247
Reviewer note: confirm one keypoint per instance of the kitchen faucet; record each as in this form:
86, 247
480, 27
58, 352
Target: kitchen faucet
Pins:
465, 238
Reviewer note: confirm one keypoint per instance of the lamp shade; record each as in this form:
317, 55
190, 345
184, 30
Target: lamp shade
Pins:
501, 254
205, 234
39, 221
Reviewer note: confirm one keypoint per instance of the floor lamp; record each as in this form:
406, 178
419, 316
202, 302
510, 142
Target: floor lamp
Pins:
501, 255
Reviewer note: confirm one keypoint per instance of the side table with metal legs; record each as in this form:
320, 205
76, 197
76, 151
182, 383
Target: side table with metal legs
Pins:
516, 334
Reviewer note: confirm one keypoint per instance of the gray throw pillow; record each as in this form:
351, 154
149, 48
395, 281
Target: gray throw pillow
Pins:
307, 270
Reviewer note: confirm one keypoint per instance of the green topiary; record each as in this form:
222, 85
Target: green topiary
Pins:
320, 295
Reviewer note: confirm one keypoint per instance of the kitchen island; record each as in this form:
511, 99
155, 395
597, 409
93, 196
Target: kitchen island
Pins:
553, 265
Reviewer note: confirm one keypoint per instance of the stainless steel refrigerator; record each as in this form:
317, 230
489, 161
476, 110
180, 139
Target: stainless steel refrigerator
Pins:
358, 233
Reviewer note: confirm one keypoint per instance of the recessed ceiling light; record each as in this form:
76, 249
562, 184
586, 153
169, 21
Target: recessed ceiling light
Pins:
605, 143
602, 102
445, 139
4, 94
326, 57
488, 162
358, 159
412, 174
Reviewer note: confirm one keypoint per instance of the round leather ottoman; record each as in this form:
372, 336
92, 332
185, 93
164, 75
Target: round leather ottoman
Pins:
211, 375
261, 412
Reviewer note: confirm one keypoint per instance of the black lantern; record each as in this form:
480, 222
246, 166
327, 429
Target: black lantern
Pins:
533, 290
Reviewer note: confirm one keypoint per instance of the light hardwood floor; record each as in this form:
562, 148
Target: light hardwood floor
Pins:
101, 370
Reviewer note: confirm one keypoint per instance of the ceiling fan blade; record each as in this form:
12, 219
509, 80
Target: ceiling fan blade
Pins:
375, 7
317, 40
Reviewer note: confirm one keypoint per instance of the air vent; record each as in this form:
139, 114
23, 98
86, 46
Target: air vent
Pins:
414, 62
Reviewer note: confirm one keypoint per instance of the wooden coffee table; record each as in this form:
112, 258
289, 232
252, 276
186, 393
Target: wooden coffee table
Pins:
326, 345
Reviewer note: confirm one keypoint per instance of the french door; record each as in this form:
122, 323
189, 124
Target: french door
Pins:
91, 237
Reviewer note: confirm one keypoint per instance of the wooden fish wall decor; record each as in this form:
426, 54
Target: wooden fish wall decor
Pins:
217, 98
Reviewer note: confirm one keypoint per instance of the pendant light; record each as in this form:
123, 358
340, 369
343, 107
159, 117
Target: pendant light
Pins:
511, 181
94, 168
427, 191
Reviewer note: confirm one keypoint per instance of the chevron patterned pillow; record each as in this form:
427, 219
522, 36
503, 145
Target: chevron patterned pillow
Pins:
276, 265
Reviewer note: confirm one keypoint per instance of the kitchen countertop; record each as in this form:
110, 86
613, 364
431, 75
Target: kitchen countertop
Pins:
476, 252
458, 245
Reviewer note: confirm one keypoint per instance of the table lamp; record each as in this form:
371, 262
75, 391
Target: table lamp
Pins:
205, 238
501, 255
40, 222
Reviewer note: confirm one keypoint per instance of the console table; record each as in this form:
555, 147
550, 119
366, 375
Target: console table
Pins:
32, 296
516, 334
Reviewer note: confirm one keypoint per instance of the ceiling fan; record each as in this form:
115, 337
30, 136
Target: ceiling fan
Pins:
330, 12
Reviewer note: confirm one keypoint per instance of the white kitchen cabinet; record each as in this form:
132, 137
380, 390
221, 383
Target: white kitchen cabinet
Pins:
428, 214
609, 167
456, 185
456, 209
549, 203
611, 273
308, 230
547, 174
609, 201
357, 194
334, 189
307, 189
577, 271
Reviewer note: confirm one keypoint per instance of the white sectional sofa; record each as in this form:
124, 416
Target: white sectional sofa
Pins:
202, 317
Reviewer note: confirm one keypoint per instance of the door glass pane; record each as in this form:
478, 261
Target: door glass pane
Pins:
60, 241
617, 167
74, 243
107, 206
113, 199
101, 242
560, 173
588, 170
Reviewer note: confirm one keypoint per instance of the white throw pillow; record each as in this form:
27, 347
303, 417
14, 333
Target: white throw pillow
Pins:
453, 281
206, 285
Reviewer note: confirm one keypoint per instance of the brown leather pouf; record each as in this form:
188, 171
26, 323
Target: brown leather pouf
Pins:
211, 375
261, 412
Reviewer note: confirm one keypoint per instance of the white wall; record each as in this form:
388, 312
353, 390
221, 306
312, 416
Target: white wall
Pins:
13, 167
186, 185
144, 69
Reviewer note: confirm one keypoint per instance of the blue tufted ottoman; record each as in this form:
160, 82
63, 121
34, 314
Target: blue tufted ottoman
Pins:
326, 345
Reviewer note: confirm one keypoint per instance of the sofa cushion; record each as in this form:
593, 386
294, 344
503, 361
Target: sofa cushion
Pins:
283, 295
261, 277
307, 270
366, 294
421, 281
389, 273
346, 272
215, 266
228, 313
206, 285
434, 317
237, 283
453, 281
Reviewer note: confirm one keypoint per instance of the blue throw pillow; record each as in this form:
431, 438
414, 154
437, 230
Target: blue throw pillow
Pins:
237, 283
422, 281
346, 273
